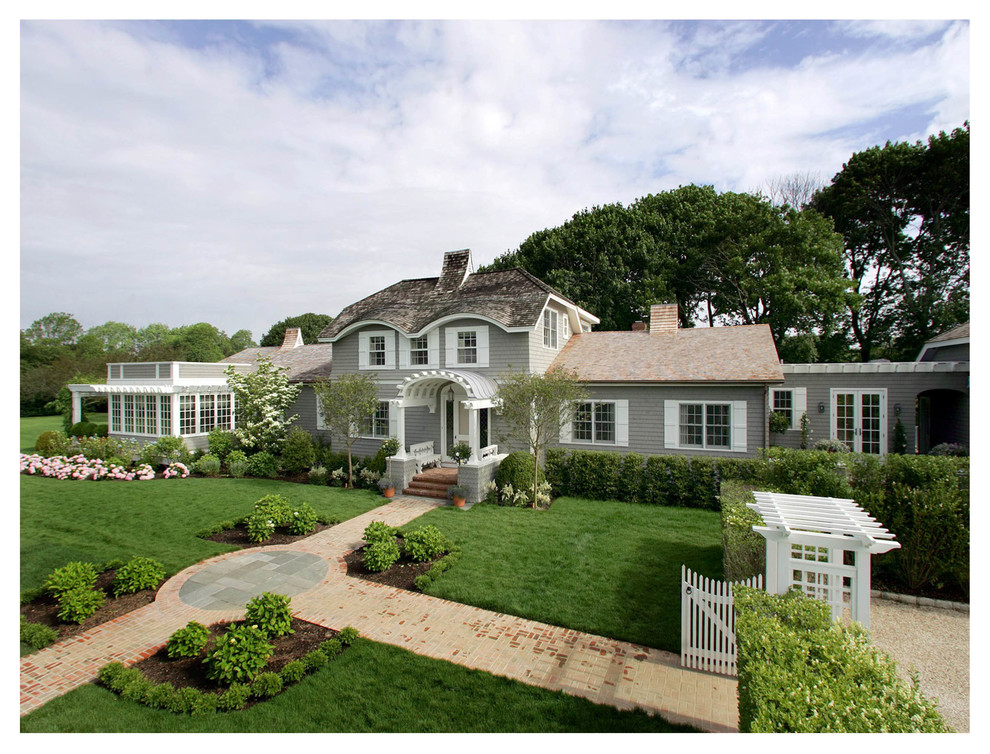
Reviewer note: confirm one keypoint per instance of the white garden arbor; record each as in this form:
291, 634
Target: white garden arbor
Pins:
808, 539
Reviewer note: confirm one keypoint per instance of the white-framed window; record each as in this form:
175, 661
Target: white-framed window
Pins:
225, 406
467, 346
705, 425
598, 423
165, 415
792, 402
551, 323
376, 349
207, 418
421, 351
378, 424
115, 413
567, 327
187, 414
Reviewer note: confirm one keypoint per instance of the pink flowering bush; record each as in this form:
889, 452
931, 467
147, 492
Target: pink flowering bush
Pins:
80, 467
176, 469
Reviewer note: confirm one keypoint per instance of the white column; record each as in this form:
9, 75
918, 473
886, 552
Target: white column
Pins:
174, 401
399, 409
861, 597
783, 566
76, 407
473, 435
771, 557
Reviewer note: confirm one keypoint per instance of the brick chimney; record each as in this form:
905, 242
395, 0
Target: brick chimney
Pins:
293, 338
456, 267
663, 318
639, 326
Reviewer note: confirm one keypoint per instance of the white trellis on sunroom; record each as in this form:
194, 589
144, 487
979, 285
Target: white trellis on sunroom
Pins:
822, 545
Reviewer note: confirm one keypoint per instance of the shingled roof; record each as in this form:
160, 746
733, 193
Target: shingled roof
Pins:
956, 333
513, 298
304, 363
745, 353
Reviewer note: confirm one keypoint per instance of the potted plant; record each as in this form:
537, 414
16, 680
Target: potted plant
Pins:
458, 495
460, 452
387, 486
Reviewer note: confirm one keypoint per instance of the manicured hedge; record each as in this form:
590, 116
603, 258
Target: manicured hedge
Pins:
682, 481
801, 672
743, 550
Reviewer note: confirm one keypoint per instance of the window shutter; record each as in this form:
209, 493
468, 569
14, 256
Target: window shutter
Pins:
433, 341
739, 426
450, 338
622, 423
362, 350
389, 350
671, 424
404, 343
482, 346
800, 406
566, 429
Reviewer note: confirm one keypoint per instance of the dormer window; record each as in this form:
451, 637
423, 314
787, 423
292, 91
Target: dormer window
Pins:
419, 351
550, 325
376, 349
467, 347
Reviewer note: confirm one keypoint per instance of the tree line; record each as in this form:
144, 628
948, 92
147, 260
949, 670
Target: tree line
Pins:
869, 266
56, 350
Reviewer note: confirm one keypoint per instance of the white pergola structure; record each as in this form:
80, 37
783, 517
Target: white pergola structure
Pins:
808, 539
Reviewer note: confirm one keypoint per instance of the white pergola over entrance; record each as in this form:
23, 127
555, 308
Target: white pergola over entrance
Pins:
424, 388
807, 541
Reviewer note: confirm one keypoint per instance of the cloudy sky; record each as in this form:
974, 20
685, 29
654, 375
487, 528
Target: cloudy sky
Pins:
241, 172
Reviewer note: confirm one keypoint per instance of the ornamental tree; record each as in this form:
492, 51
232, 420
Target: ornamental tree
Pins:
262, 399
347, 403
534, 407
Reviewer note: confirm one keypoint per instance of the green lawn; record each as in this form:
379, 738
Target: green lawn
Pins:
607, 568
370, 688
63, 521
32, 426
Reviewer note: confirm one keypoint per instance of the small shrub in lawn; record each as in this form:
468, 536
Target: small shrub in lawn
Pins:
259, 527
315, 660
348, 635
77, 605
222, 443
208, 465
377, 531
188, 641
178, 702
516, 469
234, 698
71, 576
423, 581
293, 672
37, 635
270, 614
298, 452
52, 443
161, 696
138, 690
116, 677
266, 685
263, 465
276, 507
303, 519
318, 475
137, 574
239, 655
331, 647
202, 704
237, 464
425, 543
381, 555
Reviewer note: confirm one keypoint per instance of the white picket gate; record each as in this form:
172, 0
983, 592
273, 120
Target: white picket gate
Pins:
708, 622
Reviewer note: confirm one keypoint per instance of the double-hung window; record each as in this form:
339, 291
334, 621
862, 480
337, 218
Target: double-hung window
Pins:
376, 349
792, 402
467, 347
705, 425
419, 351
598, 423
550, 325
377, 425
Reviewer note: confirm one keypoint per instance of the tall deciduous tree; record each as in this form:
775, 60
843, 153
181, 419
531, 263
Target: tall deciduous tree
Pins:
347, 403
57, 328
533, 408
262, 400
310, 324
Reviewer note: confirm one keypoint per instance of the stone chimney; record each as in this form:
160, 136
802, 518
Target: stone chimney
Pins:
293, 338
639, 326
663, 318
456, 268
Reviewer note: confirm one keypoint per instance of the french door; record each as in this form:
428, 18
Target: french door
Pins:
859, 419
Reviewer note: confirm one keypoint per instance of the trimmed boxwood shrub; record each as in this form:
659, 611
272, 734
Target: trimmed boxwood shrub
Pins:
82, 429
425, 543
266, 685
37, 635
188, 641
516, 469
263, 465
801, 672
51, 443
743, 550
298, 452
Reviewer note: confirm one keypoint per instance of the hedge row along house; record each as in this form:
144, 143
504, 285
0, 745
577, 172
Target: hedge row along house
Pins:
438, 345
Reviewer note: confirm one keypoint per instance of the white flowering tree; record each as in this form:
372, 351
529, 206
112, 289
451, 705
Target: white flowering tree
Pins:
347, 404
262, 400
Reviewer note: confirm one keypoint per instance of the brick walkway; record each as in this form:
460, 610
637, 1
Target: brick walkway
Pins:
603, 670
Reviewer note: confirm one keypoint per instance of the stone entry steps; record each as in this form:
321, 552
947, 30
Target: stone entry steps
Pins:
432, 483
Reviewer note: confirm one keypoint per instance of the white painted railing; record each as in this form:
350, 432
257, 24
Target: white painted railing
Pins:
708, 622
488, 452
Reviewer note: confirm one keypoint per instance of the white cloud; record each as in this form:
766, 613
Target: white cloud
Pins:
239, 187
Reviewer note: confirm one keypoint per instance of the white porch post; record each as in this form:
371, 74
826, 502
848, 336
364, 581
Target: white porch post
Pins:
76, 407
174, 404
771, 561
861, 608
399, 410
473, 435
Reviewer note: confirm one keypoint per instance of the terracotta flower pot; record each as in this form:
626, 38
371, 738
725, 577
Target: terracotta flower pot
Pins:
459, 501
389, 492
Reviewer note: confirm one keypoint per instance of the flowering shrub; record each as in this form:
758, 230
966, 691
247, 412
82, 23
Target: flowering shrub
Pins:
188, 641
338, 477
303, 520
369, 479
176, 469
239, 655
80, 467
270, 613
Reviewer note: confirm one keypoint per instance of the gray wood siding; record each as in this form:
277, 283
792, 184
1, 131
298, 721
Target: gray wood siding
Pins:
902, 388
541, 357
958, 352
646, 419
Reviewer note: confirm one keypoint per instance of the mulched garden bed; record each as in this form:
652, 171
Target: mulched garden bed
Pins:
402, 575
44, 609
184, 672
238, 536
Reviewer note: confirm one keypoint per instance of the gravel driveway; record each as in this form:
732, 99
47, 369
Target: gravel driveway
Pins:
935, 641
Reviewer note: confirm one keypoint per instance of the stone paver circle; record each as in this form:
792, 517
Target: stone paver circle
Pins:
230, 583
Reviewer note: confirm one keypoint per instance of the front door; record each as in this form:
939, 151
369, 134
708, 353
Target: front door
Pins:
859, 419
455, 425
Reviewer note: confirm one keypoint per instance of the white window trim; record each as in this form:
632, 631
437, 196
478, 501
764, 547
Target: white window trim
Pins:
551, 329
799, 403
737, 426
365, 436
364, 350
433, 350
621, 425
450, 349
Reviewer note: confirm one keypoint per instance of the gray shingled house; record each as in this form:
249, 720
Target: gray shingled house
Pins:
438, 345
